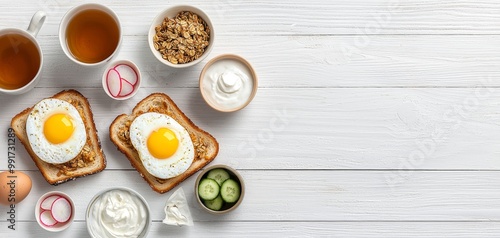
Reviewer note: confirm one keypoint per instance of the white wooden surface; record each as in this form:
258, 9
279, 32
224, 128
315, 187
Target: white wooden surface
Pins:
373, 118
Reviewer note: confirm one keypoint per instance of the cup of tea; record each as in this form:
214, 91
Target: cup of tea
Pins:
21, 57
90, 34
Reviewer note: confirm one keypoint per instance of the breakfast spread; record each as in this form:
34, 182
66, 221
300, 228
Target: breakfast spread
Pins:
158, 139
228, 82
117, 213
156, 121
60, 136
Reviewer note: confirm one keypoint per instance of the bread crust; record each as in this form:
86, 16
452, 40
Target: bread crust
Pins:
91, 159
206, 146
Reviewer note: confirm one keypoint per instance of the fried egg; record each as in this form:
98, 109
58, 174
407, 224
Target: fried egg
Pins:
56, 132
164, 146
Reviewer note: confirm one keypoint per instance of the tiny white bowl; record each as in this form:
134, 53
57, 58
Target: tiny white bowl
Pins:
59, 226
171, 12
88, 214
115, 64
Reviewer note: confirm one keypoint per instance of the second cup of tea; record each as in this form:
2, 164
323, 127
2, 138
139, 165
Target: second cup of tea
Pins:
90, 34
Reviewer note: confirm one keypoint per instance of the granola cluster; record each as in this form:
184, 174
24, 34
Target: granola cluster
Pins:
182, 39
86, 157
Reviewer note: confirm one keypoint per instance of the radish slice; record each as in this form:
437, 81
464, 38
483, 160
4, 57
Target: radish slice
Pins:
113, 81
47, 202
61, 210
121, 80
127, 73
46, 219
127, 89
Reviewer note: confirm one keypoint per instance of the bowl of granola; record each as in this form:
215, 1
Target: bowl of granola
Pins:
181, 36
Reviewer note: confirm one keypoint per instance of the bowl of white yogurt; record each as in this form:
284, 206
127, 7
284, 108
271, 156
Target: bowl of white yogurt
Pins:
118, 212
228, 83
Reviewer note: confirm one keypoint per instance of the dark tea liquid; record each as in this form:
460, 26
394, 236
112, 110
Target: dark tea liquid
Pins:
19, 61
92, 36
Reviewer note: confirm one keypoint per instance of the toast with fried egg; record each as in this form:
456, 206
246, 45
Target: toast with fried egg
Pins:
205, 145
90, 159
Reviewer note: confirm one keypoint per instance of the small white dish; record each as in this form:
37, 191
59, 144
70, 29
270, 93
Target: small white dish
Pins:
208, 89
121, 79
59, 226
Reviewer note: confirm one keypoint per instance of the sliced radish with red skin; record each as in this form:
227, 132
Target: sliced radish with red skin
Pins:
127, 73
61, 210
46, 219
127, 88
121, 80
47, 202
114, 82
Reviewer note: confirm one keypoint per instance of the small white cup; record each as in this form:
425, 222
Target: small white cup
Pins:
67, 19
34, 27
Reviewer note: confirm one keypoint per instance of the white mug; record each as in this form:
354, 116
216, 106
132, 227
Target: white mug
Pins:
18, 46
89, 22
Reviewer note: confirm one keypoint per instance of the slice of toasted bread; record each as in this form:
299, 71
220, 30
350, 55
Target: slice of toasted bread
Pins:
90, 160
205, 145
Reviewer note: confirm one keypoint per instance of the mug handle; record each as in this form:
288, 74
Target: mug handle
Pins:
36, 23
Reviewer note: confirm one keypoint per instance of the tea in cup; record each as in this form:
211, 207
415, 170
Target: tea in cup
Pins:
90, 34
21, 57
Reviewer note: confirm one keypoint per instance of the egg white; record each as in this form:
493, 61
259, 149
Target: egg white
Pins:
45, 150
179, 162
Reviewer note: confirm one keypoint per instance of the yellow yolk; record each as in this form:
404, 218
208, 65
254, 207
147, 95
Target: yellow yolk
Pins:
58, 128
162, 143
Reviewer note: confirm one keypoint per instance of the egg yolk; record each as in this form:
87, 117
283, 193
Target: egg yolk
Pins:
162, 143
58, 128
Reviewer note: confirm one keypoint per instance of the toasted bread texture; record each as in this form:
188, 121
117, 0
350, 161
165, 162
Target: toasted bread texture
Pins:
90, 160
205, 145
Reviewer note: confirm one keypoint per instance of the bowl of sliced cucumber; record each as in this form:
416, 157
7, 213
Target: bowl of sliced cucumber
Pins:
219, 189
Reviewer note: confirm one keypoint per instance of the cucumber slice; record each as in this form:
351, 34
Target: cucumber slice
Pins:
219, 175
208, 189
215, 204
230, 191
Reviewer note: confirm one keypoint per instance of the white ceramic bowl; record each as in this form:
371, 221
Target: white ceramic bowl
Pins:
89, 216
207, 92
113, 67
59, 226
171, 12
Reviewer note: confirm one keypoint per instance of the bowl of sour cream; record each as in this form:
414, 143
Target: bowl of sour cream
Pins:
118, 212
228, 83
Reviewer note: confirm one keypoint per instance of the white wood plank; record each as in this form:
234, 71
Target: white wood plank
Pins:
286, 229
361, 17
321, 195
450, 129
318, 61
